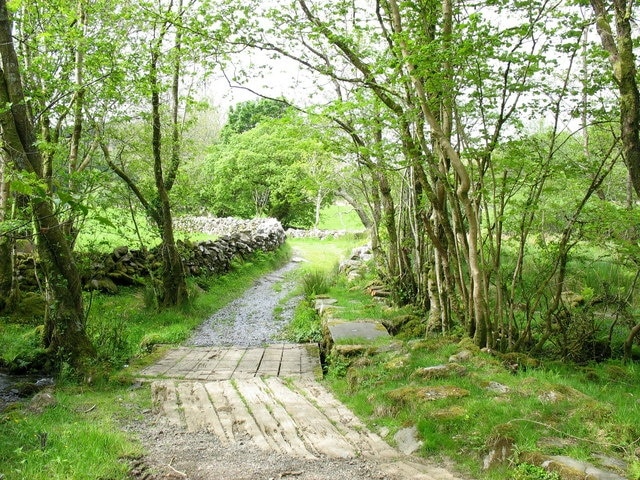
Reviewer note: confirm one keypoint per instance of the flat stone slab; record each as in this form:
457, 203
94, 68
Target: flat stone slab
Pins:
357, 330
225, 363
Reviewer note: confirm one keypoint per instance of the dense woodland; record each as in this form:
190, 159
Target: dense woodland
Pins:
491, 149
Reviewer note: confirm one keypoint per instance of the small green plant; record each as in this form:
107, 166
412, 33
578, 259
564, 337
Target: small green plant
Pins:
110, 336
337, 366
315, 283
150, 297
634, 471
526, 471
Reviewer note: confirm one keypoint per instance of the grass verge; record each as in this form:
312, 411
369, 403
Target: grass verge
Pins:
78, 438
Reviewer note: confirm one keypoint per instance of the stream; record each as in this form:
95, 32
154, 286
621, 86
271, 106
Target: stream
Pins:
16, 387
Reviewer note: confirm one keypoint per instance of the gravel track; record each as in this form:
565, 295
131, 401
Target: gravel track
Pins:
250, 320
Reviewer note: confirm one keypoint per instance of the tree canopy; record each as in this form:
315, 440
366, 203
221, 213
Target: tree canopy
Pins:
267, 170
246, 115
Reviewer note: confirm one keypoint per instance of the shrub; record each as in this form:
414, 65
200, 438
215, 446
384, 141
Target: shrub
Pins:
111, 339
305, 325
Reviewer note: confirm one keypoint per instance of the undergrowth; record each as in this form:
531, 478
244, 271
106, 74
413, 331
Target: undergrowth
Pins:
305, 326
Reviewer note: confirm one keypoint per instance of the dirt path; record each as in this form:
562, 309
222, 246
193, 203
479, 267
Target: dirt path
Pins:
258, 412
251, 320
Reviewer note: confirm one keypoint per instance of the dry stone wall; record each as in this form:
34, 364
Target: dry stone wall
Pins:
239, 239
317, 233
125, 266
220, 226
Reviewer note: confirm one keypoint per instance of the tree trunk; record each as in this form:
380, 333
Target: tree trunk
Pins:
317, 208
65, 334
6, 274
6, 254
628, 343
619, 46
174, 286
357, 207
173, 289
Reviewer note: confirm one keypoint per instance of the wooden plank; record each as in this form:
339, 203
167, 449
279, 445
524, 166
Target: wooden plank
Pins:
200, 415
313, 424
243, 419
222, 407
289, 427
262, 408
345, 421
165, 402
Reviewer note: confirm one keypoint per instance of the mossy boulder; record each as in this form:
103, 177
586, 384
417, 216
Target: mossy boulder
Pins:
449, 413
105, 285
410, 326
29, 307
515, 361
440, 371
348, 351
412, 394
467, 344
397, 362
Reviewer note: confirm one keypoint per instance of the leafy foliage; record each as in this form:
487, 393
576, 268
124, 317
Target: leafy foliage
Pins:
305, 325
247, 115
526, 471
316, 282
264, 172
